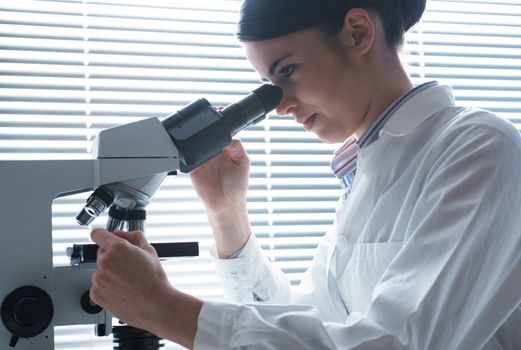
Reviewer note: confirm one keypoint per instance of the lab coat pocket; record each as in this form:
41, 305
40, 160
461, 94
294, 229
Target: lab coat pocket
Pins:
366, 266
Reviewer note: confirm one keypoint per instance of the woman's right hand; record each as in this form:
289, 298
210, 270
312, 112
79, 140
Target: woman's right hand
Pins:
222, 182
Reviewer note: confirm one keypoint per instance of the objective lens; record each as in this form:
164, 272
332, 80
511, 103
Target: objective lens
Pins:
136, 219
98, 201
117, 218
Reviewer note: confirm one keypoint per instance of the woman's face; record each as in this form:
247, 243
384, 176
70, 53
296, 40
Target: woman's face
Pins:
324, 87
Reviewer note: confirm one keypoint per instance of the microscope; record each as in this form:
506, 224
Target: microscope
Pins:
129, 164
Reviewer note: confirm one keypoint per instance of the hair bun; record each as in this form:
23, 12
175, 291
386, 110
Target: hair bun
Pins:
412, 11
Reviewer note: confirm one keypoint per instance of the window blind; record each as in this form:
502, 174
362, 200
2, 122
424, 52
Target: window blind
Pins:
69, 69
475, 46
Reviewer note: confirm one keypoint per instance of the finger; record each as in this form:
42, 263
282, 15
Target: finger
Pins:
99, 294
105, 239
236, 142
127, 236
100, 252
136, 238
95, 295
237, 152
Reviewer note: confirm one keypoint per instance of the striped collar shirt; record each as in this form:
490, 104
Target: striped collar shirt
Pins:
343, 163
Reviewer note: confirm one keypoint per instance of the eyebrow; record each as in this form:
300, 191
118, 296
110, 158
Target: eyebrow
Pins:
275, 63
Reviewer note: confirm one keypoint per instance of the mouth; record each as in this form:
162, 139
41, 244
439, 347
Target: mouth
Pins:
309, 121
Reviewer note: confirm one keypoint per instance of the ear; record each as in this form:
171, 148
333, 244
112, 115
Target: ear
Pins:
357, 34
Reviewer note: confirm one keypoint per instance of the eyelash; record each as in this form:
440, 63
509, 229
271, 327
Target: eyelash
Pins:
288, 70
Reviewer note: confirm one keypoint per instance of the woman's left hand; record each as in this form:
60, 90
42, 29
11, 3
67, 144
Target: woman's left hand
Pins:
131, 283
129, 280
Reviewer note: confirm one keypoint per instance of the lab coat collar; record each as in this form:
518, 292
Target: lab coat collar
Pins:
418, 109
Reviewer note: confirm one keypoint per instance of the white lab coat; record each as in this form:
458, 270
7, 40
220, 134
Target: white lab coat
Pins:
425, 254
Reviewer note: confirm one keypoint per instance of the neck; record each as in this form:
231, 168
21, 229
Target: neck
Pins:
387, 87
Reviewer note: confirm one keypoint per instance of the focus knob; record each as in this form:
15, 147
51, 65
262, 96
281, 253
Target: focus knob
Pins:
27, 311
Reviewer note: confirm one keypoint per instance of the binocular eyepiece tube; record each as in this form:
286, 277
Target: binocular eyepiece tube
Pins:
199, 133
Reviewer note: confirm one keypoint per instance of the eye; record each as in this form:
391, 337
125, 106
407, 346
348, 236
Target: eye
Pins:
288, 70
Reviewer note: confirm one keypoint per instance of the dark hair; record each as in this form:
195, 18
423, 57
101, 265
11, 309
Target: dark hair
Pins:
268, 19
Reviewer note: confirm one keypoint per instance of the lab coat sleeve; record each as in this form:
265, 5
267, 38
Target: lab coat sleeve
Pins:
451, 285
251, 277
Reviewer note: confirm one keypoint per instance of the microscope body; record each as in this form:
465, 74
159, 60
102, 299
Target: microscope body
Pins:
35, 295
129, 164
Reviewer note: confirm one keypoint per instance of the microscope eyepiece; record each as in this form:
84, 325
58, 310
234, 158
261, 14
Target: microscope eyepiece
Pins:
200, 132
252, 109
270, 96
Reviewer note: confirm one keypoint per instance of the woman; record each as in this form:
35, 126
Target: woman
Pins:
424, 252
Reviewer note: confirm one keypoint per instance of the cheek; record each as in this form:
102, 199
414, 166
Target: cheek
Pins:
344, 116
331, 88
351, 100
335, 91
317, 91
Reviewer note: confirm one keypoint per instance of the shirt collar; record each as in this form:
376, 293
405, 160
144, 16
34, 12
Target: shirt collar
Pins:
418, 108
401, 117
373, 132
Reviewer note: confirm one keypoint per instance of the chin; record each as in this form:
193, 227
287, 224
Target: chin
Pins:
331, 139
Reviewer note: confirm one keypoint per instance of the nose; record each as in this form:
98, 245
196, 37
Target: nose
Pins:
288, 103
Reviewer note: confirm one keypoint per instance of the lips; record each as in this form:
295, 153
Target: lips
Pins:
308, 122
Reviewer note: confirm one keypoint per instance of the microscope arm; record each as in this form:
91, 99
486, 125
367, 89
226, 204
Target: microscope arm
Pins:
30, 282
26, 259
